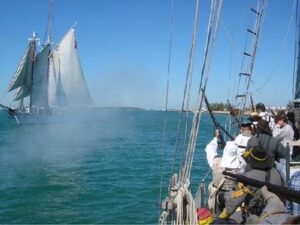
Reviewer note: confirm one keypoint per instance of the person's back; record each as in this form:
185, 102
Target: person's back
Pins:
260, 167
272, 146
250, 195
261, 111
271, 176
274, 211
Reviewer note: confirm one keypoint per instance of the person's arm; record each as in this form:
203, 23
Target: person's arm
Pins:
278, 132
211, 150
272, 202
285, 133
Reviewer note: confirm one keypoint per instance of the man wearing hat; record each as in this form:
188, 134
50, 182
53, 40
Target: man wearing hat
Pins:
260, 167
242, 139
231, 161
267, 142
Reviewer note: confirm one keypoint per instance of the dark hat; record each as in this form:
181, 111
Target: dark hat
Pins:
262, 127
260, 106
258, 157
246, 124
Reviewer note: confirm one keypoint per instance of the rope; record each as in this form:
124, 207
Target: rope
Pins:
261, 8
188, 78
209, 46
190, 72
167, 99
184, 195
280, 52
233, 45
185, 205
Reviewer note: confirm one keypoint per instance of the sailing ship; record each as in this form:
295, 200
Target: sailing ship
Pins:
51, 79
180, 206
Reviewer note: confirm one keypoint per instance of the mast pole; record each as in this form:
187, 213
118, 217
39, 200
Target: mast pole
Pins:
49, 41
296, 85
33, 42
49, 35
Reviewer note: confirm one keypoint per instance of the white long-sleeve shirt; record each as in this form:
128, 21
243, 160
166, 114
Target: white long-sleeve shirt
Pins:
283, 134
267, 117
211, 151
230, 159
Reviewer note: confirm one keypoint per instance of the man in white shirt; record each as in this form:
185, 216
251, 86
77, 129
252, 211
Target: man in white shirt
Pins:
261, 111
283, 132
231, 161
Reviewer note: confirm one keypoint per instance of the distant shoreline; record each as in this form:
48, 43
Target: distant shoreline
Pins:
221, 112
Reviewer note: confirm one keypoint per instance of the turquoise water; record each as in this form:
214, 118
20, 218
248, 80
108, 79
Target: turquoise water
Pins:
98, 167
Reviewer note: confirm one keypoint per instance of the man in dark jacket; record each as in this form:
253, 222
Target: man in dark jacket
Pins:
267, 142
260, 167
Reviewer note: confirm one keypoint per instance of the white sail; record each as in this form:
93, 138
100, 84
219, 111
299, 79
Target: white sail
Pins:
67, 65
56, 95
23, 75
39, 97
52, 82
22, 92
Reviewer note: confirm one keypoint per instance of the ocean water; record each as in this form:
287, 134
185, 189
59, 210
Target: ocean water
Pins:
100, 167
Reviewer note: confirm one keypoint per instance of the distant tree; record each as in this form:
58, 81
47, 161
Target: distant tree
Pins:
219, 106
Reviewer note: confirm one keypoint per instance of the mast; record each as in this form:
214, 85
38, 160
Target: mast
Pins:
297, 57
33, 40
49, 31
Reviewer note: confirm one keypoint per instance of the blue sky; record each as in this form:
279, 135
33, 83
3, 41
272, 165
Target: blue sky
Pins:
123, 45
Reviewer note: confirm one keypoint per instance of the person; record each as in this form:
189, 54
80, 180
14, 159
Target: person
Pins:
242, 139
295, 125
267, 142
260, 167
231, 161
261, 111
283, 132
294, 183
274, 211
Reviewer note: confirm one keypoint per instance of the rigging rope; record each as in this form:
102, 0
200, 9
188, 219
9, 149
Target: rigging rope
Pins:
258, 25
282, 48
167, 97
209, 46
187, 81
190, 71
182, 197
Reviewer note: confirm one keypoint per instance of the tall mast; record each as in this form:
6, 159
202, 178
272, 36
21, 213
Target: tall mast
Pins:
296, 90
49, 34
33, 41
